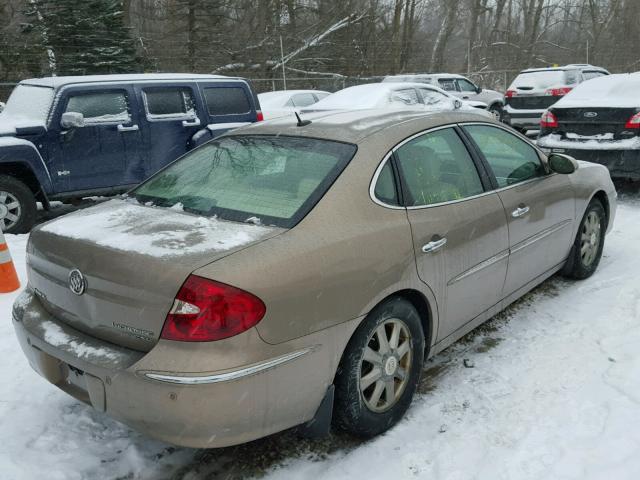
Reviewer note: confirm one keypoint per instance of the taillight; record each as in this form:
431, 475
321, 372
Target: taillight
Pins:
558, 92
204, 310
259, 116
511, 93
634, 122
548, 120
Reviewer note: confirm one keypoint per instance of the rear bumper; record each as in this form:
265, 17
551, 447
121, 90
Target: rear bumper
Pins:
522, 118
620, 163
272, 387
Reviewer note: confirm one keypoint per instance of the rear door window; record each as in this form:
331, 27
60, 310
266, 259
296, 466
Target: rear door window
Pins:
162, 103
511, 159
303, 99
448, 84
385, 189
227, 101
103, 107
273, 180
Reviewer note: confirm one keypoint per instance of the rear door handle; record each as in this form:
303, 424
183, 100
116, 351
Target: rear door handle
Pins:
132, 128
434, 245
191, 123
520, 211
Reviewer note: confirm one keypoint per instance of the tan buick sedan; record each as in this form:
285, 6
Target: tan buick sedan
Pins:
293, 273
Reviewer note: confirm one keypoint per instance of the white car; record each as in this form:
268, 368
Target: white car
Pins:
285, 102
395, 95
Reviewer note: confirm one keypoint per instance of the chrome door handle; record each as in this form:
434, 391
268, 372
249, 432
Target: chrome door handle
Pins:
434, 245
132, 128
193, 123
520, 211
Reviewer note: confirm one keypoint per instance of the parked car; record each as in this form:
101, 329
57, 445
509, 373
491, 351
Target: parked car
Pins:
536, 89
63, 138
285, 102
394, 95
458, 86
598, 121
316, 266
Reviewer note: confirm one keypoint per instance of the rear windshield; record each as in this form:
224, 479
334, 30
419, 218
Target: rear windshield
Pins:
259, 179
540, 79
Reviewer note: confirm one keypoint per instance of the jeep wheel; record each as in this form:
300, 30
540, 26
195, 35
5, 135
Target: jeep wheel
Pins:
17, 206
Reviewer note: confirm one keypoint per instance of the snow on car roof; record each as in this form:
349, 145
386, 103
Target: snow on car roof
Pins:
280, 97
572, 66
57, 82
617, 91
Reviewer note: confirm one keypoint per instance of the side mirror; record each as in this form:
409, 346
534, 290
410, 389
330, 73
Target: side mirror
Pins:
561, 163
478, 89
1, 106
72, 120
457, 104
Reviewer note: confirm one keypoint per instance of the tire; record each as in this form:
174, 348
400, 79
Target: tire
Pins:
496, 110
17, 206
359, 412
586, 251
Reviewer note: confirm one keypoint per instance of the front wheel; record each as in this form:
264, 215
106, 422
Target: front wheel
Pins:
17, 206
587, 247
497, 112
380, 369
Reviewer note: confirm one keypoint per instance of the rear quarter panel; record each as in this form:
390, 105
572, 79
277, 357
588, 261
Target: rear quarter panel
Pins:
588, 180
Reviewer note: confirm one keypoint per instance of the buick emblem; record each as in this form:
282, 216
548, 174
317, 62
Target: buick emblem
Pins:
590, 114
77, 283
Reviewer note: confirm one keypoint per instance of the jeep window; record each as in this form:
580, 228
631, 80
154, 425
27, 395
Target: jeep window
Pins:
161, 103
28, 102
276, 179
226, 101
103, 107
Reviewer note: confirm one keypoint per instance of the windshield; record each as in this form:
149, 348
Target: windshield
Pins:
28, 102
260, 179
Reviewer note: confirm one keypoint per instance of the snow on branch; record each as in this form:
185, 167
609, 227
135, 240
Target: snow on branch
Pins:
316, 39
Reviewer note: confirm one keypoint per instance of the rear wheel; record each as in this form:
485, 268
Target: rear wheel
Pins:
380, 369
17, 206
587, 247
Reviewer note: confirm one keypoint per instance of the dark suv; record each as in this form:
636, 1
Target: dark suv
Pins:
65, 138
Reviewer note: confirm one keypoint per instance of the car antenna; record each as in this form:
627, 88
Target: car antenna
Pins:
302, 123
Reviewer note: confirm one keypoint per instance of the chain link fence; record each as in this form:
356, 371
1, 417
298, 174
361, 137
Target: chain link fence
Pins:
495, 80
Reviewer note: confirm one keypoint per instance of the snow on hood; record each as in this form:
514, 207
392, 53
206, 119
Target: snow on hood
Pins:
617, 91
8, 125
159, 232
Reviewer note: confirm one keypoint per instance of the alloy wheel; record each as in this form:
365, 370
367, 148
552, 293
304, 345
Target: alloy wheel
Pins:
385, 365
590, 238
10, 210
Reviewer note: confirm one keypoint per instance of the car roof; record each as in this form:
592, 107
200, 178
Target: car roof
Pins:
429, 75
572, 66
352, 126
57, 82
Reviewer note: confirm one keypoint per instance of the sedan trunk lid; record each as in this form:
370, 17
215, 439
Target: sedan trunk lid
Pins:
131, 260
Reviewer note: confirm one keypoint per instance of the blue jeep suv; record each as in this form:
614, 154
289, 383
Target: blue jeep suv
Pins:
64, 138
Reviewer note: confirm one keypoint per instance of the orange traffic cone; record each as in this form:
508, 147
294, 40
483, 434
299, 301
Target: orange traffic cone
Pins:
8, 276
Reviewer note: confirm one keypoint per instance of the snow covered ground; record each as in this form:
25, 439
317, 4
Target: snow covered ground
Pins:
553, 392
